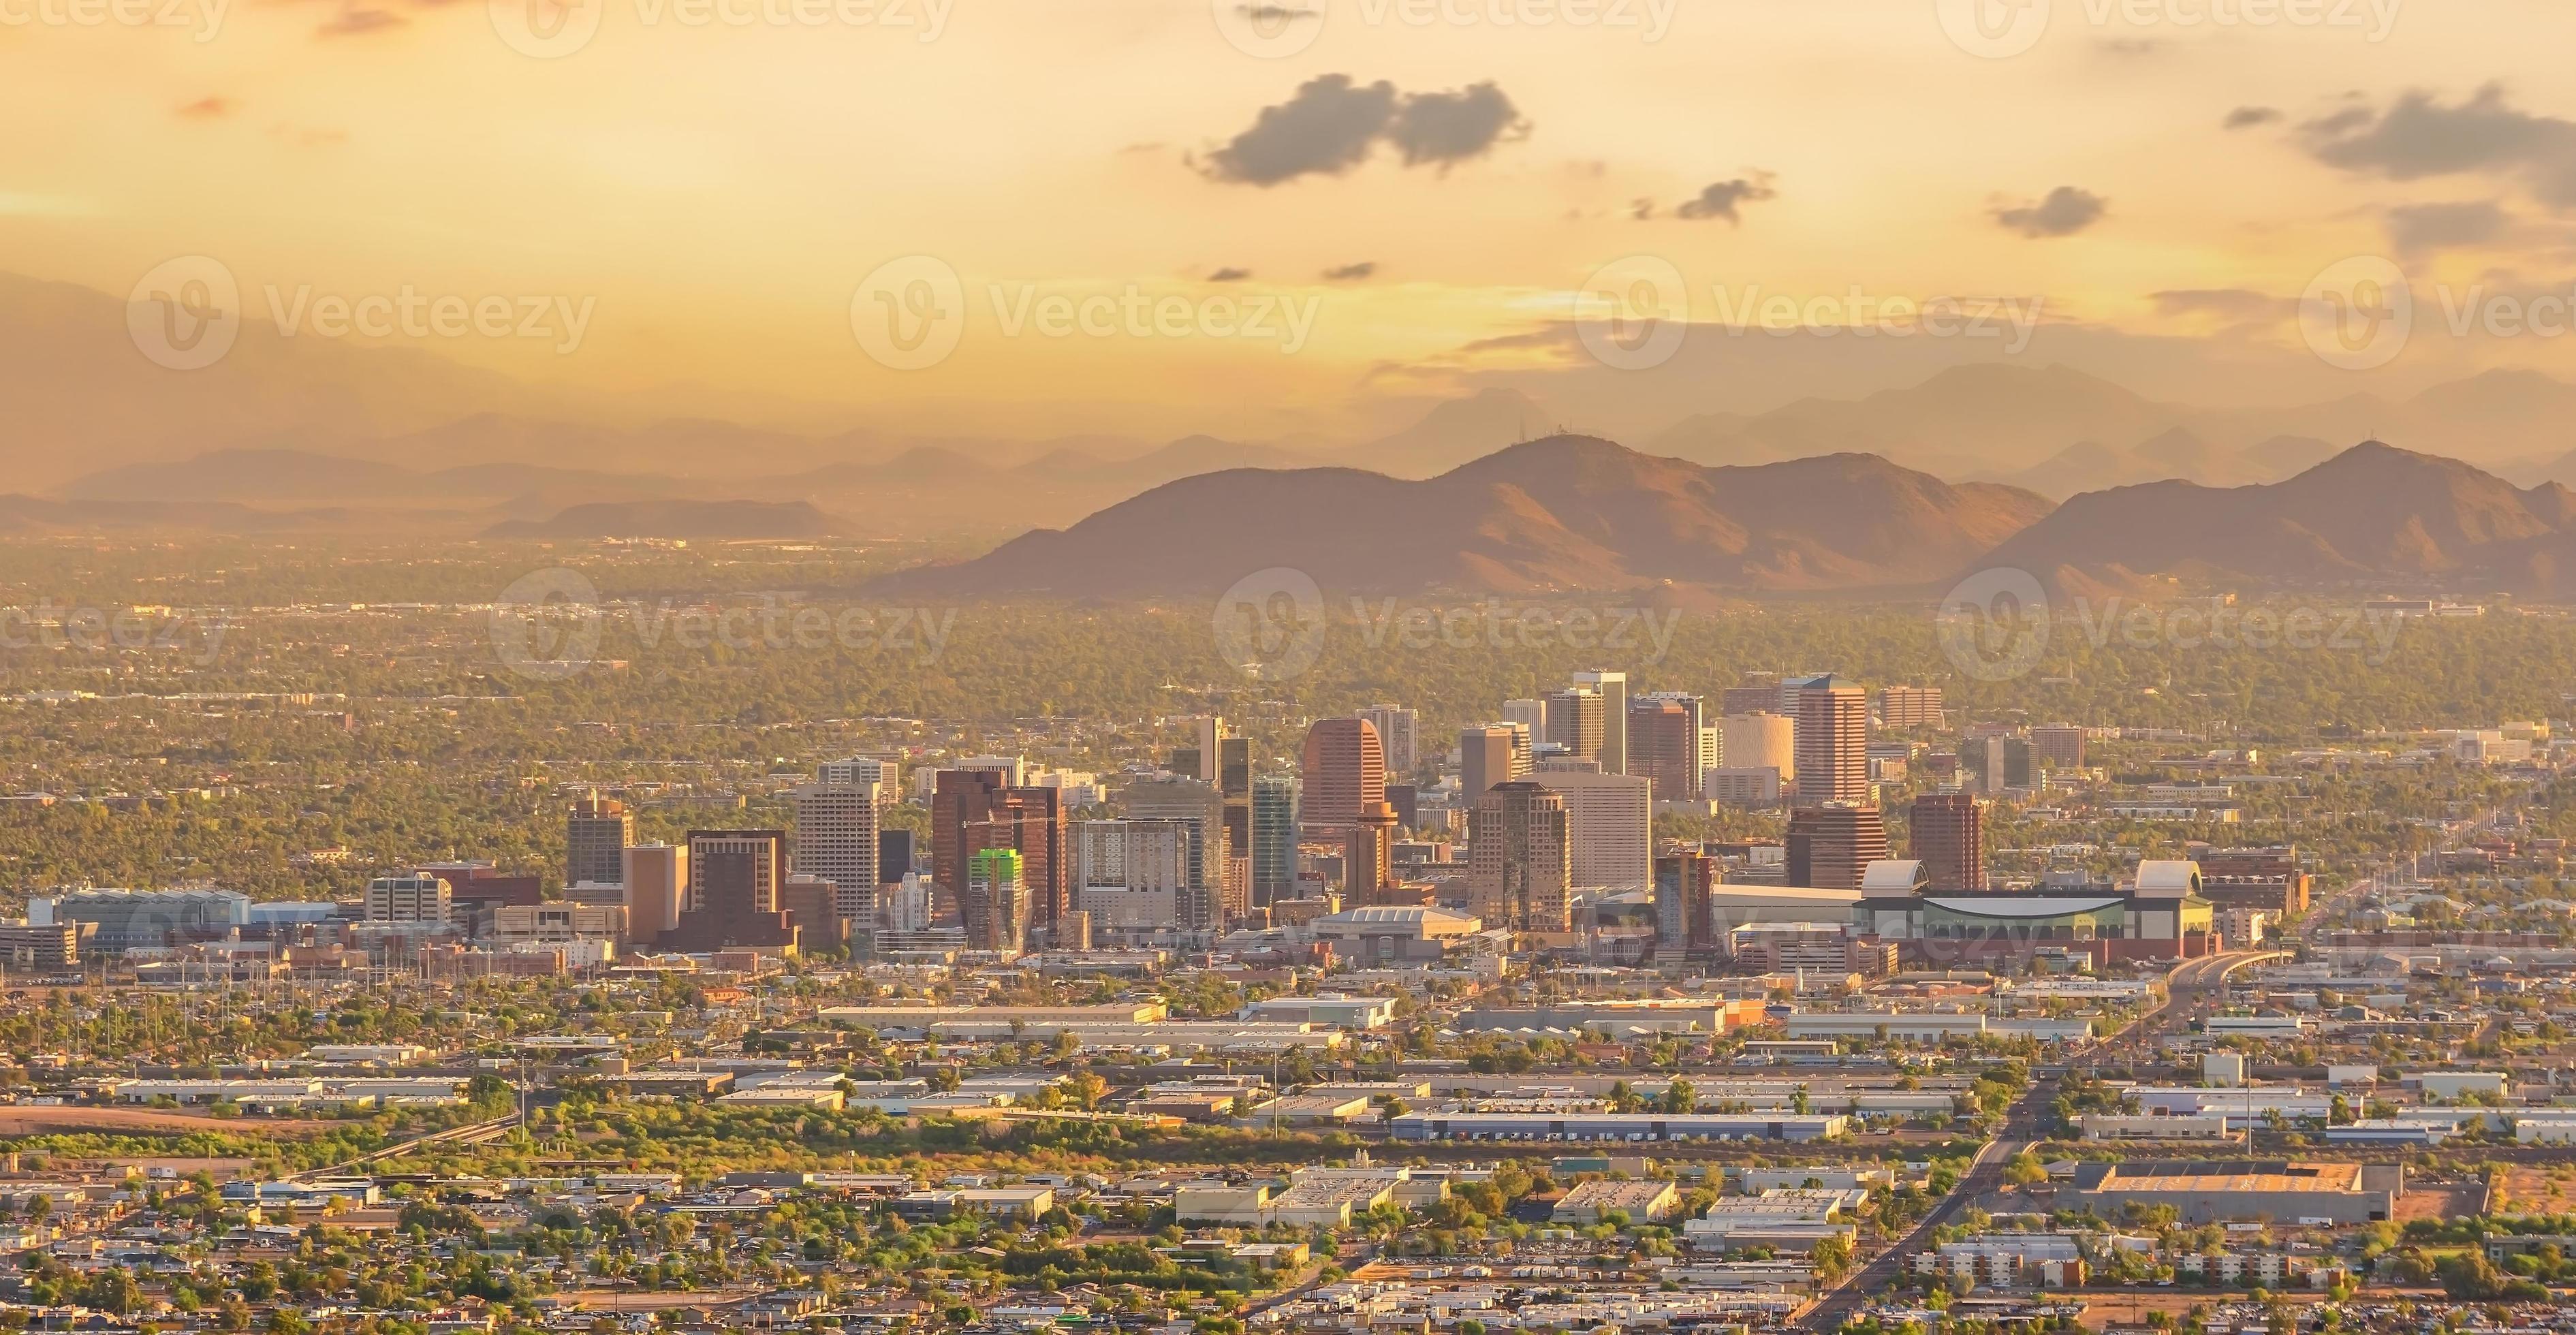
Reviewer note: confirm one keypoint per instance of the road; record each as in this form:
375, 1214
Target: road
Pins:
2188, 989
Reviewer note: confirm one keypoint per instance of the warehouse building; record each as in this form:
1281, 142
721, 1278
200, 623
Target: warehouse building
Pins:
1613, 1126
2248, 1191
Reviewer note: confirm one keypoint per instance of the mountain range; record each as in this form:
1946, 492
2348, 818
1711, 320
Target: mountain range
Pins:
1572, 513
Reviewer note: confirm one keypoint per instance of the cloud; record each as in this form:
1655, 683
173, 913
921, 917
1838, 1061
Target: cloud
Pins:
2418, 137
2416, 228
1447, 128
2064, 212
207, 108
1720, 200
1333, 122
1351, 273
1229, 274
355, 22
2132, 46
2246, 118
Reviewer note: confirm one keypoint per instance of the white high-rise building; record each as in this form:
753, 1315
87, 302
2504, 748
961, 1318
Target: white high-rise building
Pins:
836, 839
415, 898
1609, 826
1395, 726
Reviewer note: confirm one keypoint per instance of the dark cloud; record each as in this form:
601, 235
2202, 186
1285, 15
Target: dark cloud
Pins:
207, 108
1333, 122
1229, 274
2416, 228
2246, 118
1720, 200
2418, 137
1327, 127
2235, 303
1444, 128
2064, 212
1351, 273
356, 22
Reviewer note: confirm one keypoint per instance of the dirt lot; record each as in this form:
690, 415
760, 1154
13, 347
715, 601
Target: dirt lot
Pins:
21, 1119
2439, 1201
2538, 1188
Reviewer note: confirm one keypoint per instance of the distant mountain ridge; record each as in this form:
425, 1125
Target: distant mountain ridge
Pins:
1562, 513
2373, 512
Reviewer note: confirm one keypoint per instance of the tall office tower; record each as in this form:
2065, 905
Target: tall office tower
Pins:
1208, 902
1034, 818
736, 872
1234, 781
1996, 762
1830, 846
1759, 741
656, 877
1612, 687
1577, 721
816, 909
417, 898
596, 832
1665, 744
1905, 708
2058, 745
1531, 715
1520, 870
1369, 856
1685, 904
1610, 826
997, 900
1274, 838
896, 850
1487, 756
1946, 832
1395, 731
1132, 876
1207, 732
1833, 741
857, 770
1345, 771
836, 839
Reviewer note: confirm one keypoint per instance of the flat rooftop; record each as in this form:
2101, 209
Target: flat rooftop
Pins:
2235, 1178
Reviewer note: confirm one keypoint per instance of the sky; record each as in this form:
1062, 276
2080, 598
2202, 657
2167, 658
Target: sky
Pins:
1161, 216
